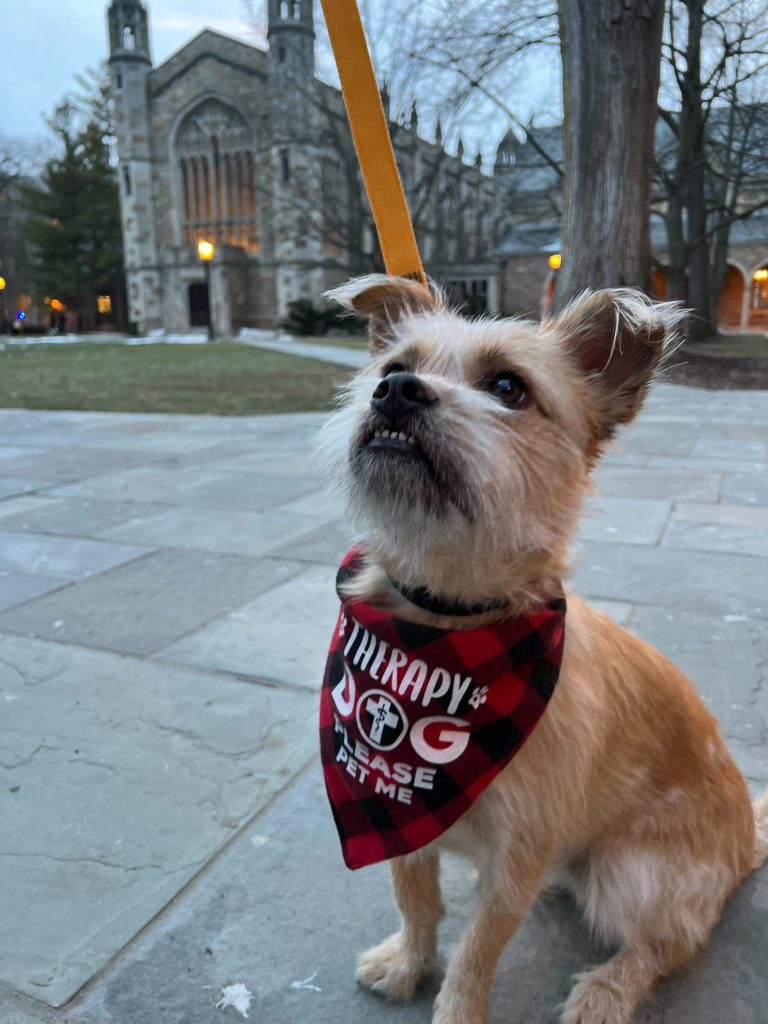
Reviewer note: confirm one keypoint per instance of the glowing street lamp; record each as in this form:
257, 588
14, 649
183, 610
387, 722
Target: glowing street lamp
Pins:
2, 304
554, 261
206, 251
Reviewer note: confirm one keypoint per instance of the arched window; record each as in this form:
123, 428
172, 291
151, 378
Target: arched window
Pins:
214, 148
129, 38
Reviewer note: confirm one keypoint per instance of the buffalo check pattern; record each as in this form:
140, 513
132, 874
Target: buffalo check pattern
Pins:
416, 722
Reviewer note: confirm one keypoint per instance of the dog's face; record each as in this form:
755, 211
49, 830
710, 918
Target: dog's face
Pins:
464, 447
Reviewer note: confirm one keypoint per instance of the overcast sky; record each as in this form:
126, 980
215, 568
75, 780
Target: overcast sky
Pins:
45, 43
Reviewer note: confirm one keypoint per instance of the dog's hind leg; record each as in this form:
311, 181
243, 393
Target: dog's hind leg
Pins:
395, 967
609, 994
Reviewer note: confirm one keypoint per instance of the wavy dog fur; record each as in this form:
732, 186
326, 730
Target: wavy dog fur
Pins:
625, 792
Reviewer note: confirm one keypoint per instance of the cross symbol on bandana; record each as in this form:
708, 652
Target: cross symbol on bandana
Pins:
382, 717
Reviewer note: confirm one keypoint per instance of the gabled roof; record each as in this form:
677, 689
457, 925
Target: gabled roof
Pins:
209, 43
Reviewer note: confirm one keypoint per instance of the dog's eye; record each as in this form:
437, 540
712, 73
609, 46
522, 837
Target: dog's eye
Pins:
507, 387
394, 368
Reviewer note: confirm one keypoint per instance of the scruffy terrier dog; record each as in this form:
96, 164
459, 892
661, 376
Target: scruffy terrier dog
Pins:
465, 449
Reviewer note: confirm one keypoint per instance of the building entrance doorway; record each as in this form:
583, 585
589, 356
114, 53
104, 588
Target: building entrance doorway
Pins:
198, 305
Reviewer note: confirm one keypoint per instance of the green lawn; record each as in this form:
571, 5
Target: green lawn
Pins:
739, 346
223, 379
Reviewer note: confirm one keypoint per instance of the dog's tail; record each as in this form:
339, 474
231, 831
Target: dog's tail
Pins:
761, 825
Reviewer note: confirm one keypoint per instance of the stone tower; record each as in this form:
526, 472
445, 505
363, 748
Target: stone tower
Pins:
295, 155
291, 35
129, 64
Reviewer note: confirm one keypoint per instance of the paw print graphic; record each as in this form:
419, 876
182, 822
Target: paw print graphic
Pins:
480, 696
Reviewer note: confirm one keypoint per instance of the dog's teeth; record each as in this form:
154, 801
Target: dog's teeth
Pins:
377, 434
411, 440
402, 436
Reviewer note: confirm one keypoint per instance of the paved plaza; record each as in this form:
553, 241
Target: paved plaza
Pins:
166, 599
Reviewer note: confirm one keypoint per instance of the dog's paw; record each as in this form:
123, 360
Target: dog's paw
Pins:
459, 1008
389, 971
594, 1000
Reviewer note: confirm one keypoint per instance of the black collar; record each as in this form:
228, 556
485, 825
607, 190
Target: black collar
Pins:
424, 598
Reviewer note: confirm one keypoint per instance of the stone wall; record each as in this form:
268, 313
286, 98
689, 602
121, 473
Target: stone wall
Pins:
523, 283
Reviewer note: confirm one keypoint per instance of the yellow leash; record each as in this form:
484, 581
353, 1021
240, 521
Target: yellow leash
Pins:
372, 141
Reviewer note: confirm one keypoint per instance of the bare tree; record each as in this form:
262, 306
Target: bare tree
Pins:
611, 59
716, 54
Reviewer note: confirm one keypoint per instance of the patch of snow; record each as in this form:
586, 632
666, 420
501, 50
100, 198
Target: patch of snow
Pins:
307, 983
161, 338
262, 334
46, 339
237, 996
734, 618
259, 840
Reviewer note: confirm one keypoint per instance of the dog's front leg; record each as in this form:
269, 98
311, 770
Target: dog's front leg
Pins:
506, 892
396, 966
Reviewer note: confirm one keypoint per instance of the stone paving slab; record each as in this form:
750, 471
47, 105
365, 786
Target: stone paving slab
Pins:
746, 489
20, 485
146, 605
72, 517
624, 520
712, 582
659, 484
145, 483
65, 463
70, 558
281, 635
19, 587
743, 540
120, 778
248, 533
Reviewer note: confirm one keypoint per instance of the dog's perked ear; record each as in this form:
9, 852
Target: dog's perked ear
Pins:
385, 300
617, 338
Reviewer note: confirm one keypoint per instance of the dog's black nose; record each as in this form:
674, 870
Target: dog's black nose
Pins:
401, 393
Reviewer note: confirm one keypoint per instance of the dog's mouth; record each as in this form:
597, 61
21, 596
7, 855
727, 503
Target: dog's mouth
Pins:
396, 441
409, 464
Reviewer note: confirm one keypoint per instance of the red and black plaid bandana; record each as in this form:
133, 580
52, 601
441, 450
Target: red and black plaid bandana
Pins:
415, 722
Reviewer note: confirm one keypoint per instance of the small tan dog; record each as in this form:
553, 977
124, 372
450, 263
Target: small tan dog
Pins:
625, 790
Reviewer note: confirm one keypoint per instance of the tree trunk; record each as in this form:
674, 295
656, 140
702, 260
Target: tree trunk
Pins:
699, 323
611, 52
676, 248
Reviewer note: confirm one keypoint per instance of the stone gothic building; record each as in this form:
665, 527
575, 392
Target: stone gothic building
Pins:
248, 149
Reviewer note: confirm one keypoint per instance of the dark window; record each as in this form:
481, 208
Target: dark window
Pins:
119, 81
285, 166
281, 54
127, 180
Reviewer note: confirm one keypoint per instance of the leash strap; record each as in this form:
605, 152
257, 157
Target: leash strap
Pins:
372, 141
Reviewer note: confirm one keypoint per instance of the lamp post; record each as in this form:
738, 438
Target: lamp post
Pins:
554, 262
206, 252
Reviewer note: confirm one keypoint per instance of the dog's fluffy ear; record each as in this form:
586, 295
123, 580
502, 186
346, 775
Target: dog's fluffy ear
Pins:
617, 338
385, 300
